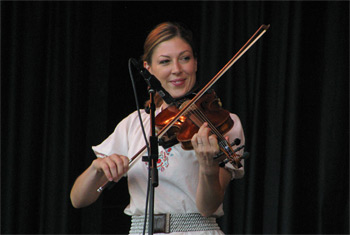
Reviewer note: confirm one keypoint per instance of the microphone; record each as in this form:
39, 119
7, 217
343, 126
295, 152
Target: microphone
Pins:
153, 82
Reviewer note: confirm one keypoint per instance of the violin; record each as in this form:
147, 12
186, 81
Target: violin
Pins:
184, 121
207, 109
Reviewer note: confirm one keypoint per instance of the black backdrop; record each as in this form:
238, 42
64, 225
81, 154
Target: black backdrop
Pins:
65, 85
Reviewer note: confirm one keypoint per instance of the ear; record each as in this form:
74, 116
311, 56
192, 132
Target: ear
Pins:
147, 66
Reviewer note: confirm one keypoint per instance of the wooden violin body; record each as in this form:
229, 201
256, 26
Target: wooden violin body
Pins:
207, 109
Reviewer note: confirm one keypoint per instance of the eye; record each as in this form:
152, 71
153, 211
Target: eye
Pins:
165, 61
185, 58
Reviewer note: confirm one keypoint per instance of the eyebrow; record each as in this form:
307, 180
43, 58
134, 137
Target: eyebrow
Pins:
181, 53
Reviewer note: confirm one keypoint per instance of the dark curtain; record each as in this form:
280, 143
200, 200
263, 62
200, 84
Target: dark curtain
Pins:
65, 85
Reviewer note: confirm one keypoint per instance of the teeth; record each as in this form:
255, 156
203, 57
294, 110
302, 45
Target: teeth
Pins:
177, 81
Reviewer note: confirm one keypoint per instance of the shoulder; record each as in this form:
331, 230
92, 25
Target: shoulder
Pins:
237, 125
235, 117
237, 129
132, 117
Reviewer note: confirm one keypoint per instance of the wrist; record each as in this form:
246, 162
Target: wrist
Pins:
209, 170
95, 167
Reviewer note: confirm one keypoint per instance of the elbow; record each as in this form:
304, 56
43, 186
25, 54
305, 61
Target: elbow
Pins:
80, 202
76, 203
206, 212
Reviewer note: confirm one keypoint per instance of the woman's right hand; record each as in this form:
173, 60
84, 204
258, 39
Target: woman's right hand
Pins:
84, 191
114, 166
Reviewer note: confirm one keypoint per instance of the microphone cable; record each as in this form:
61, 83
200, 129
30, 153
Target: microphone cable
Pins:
144, 135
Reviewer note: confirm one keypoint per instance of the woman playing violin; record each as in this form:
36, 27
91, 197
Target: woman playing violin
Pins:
191, 183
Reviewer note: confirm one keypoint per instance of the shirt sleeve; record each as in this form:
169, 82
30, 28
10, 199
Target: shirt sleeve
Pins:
236, 132
117, 142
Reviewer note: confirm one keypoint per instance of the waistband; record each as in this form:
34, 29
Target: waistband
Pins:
167, 223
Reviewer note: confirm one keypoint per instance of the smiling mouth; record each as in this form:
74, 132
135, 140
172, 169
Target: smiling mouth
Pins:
178, 82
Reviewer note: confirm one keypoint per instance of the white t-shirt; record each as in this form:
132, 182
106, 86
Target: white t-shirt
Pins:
177, 168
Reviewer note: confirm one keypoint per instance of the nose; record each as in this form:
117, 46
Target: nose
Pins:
176, 68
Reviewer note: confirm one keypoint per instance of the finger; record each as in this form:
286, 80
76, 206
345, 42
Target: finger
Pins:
213, 141
126, 163
121, 167
194, 141
121, 164
202, 129
105, 166
203, 134
113, 166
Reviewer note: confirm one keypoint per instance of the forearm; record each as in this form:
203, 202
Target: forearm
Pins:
84, 191
211, 189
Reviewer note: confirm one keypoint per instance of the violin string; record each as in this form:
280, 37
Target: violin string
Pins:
213, 129
225, 146
199, 114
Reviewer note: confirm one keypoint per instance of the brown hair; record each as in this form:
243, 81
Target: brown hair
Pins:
164, 32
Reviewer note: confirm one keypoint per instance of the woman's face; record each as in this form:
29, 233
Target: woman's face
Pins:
174, 65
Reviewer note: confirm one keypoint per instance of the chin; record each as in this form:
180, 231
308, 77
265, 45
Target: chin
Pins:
179, 95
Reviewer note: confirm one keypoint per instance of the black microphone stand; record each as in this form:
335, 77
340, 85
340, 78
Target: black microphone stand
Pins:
152, 160
153, 86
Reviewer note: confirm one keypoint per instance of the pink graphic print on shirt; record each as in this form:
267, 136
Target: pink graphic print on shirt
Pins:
163, 159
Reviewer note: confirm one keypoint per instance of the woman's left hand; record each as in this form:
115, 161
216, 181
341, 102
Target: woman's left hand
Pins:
206, 147
213, 179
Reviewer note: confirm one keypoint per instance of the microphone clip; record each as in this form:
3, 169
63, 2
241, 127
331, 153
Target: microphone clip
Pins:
153, 82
